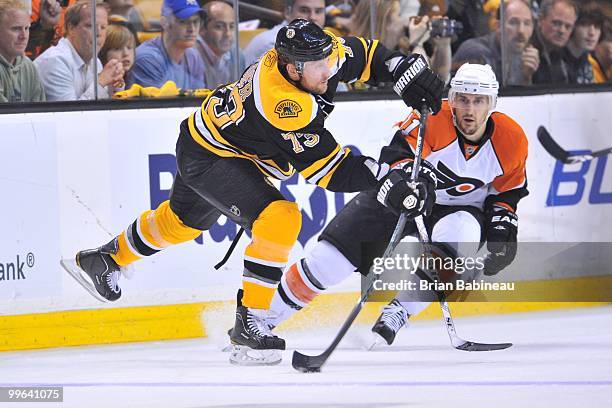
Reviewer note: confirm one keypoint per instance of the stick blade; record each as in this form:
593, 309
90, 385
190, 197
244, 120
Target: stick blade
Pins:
471, 346
307, 364
551, 146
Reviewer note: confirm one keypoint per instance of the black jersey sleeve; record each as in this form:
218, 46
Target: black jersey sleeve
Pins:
317, 156
365, 60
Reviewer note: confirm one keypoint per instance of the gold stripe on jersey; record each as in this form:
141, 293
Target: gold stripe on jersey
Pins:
204, 132
202, 137
319, 164
324, 181
368, 47
282, 104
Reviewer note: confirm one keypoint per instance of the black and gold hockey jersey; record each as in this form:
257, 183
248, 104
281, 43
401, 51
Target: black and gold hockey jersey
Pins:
265, 118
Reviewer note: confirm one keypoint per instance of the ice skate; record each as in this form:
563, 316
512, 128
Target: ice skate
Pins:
96, 271
252, 339
391, 320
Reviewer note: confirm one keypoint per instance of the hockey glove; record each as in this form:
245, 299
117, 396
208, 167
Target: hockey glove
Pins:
415, 82
397, 193
502, 228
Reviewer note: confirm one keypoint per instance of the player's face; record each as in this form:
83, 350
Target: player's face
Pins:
14, 31
316, 75
470, 111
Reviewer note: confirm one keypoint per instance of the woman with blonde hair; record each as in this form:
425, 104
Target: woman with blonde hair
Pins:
120, 44
404, 33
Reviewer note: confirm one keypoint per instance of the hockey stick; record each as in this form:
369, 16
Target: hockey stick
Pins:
456, 341
305, 363
312, 364
230, 250
563, 155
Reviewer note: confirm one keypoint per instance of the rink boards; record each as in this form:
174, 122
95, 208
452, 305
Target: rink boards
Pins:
71, 180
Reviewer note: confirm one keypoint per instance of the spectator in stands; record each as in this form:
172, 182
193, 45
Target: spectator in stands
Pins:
19, 81
311, 10
121, 46
583, 41
125, 9
406, 34
171, 56
601, 58
216, 44
555, 26
46, 28
390, 27
520, 60
67, 70
474, 15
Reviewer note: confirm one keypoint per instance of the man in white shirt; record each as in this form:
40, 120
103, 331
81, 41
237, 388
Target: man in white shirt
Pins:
67, 70
216, 45
311, 10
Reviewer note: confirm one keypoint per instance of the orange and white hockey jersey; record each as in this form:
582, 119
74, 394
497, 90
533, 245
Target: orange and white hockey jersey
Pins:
490, 172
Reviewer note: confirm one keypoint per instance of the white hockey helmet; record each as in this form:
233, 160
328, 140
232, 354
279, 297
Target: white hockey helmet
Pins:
475, 79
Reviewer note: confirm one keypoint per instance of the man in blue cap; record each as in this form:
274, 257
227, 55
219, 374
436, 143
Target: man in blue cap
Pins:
170, 57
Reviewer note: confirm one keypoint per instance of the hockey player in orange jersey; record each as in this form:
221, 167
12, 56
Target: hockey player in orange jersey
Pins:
270, 123
478, 157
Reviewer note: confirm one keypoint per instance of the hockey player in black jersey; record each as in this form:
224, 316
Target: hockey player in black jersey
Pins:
270, 123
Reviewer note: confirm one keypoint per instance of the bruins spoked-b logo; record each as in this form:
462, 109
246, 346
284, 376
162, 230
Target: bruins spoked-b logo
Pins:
287, 109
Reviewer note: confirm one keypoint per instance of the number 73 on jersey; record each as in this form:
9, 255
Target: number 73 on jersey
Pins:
309, 140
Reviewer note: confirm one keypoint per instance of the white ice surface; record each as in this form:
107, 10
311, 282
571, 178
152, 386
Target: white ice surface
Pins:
559, 359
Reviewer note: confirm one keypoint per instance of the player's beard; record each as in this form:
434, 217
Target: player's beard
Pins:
318, 88
469, 127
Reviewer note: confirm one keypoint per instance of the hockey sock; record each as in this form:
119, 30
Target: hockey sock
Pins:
275, 232
151, 232
323, 267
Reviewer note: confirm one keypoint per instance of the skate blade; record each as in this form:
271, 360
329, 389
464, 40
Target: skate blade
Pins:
377, 342
246, 356
81, 277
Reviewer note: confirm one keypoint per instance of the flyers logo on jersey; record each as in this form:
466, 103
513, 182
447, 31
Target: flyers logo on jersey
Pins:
287, 109
455, 185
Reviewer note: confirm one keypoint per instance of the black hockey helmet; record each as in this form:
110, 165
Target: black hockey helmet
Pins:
301, 41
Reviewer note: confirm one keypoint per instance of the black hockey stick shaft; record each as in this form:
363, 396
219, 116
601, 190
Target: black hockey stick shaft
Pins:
230, 250
305, 363
559, 153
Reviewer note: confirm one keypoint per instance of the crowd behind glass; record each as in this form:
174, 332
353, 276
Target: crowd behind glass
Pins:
171, 48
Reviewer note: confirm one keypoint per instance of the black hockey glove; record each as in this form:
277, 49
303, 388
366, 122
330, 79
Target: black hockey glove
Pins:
502, 227
415, 82
397, 193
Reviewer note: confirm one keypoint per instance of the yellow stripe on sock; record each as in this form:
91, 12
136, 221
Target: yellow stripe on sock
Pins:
257, 296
